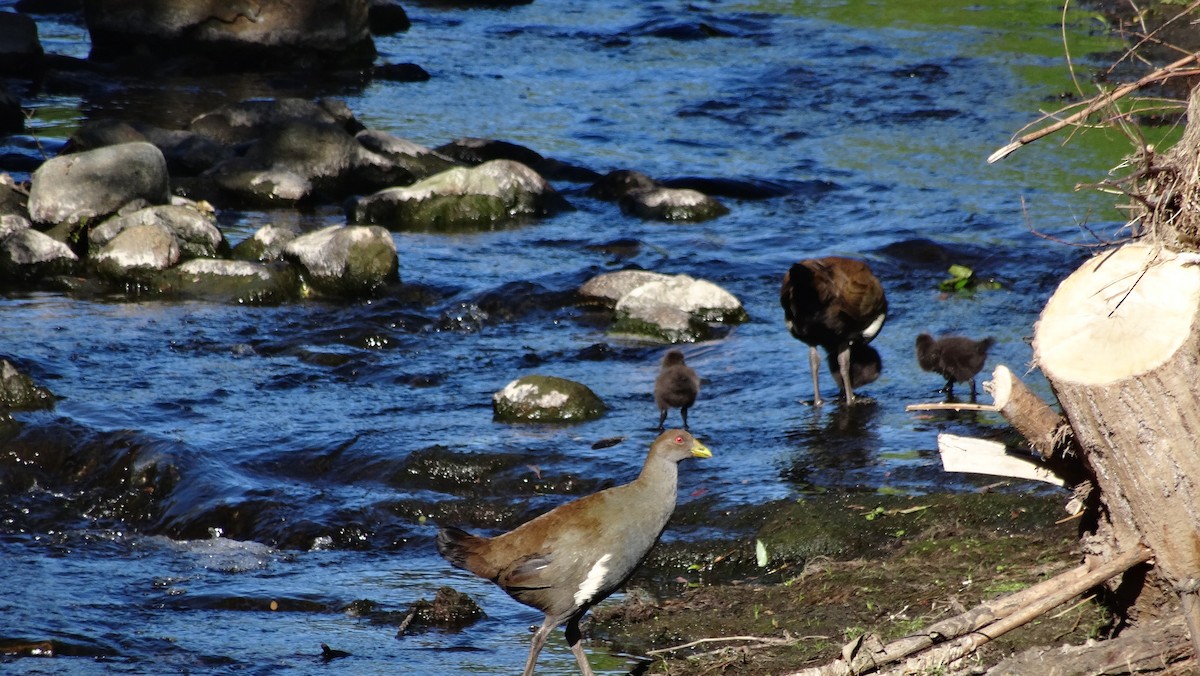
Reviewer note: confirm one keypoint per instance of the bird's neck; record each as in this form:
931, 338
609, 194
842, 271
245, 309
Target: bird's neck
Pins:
660, 478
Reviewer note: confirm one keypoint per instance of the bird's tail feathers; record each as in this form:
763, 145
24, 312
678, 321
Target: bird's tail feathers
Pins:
462, 549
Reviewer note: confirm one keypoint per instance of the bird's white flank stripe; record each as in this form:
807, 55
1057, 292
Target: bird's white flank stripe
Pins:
873, 329
591, 584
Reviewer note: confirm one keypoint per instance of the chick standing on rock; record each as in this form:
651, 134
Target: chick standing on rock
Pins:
956, 358
675, 387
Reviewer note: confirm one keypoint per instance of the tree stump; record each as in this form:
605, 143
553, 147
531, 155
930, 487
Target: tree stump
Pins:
1120, 344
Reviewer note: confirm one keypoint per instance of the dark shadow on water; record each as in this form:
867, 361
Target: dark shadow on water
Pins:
831, 442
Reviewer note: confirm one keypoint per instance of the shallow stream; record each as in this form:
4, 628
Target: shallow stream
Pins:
300, 456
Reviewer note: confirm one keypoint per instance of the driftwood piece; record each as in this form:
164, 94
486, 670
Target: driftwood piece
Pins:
980, 624
983, 456
1119, 342
950, 406
1159, 646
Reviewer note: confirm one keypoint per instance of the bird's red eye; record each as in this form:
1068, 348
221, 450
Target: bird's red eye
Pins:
679, 440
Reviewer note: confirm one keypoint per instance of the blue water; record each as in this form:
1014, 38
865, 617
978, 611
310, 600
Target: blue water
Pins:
298, 435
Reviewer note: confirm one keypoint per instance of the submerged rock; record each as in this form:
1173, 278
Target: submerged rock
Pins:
18, 391
450, 610
475, 151
538, 398
246, 121
671, 204
639, 195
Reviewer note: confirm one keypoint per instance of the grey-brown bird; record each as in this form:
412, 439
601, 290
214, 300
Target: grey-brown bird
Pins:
956, 358
675, 387
833, 303
572, 557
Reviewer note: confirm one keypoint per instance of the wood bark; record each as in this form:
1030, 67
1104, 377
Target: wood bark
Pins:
1159, 647
978, 625
1119, 342
1046, 431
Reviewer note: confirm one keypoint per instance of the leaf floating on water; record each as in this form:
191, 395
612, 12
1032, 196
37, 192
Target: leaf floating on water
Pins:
963, 278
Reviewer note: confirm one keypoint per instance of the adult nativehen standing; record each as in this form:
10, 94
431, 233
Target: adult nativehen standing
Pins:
675, 387
833, 303
571, 558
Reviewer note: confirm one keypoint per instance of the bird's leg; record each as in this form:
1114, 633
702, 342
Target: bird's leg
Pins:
814, 365
574, 639
539, 640
662, 418
948, 390
683, 412
844, 372
972, 390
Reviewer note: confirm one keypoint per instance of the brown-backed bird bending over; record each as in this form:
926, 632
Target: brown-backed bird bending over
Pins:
956, 358
571, 558
832, 303
675, 387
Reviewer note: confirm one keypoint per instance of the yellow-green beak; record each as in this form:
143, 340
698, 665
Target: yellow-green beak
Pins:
699, 450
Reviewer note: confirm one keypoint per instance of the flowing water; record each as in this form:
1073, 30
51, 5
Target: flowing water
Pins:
219, 483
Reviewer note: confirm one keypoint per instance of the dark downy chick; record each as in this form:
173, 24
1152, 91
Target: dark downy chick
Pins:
675, 387
956, 358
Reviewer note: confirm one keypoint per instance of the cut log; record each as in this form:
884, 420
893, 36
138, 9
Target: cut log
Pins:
1044, 429
1119, 342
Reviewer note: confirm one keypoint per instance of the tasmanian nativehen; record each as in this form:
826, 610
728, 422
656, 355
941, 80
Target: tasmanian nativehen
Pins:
833, 303
572, 557
955, 358
675, 387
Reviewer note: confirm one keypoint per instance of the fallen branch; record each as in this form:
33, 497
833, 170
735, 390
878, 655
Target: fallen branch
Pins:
950, 406
1165, 73
980, 624
786, 640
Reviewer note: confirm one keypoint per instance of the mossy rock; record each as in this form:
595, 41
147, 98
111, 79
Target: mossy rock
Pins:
538, 398
18, 391
442, 213
660, 324
232, 281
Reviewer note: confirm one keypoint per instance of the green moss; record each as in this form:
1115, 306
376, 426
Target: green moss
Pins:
538, 398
